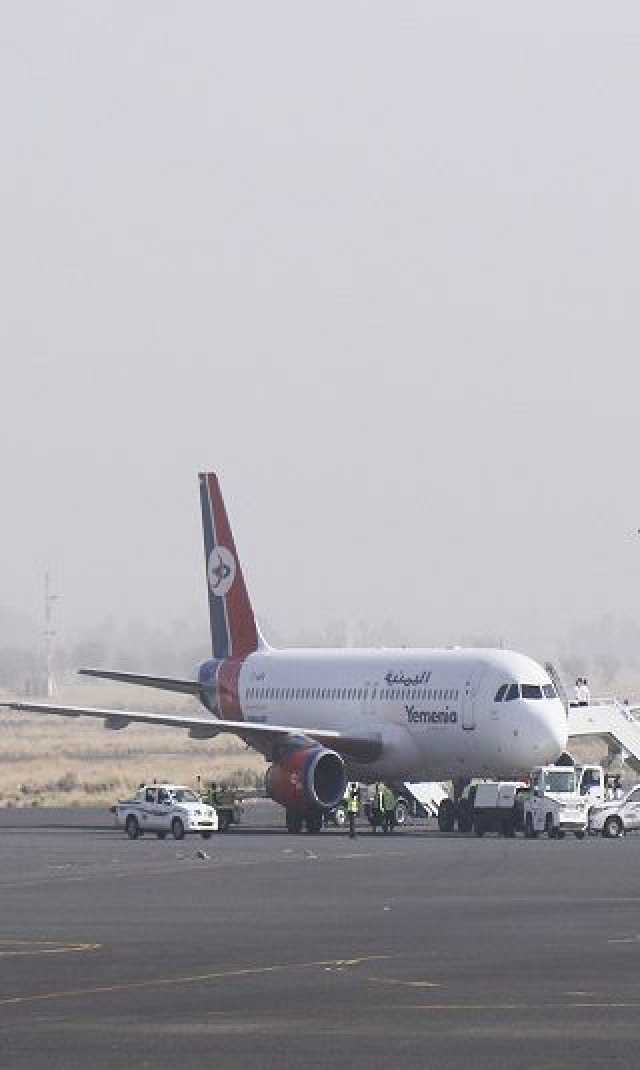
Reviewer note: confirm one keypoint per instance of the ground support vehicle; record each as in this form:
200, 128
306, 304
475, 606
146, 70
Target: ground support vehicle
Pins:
496, 809
615, 817
227, 802
496, 806
164, 808
559, 799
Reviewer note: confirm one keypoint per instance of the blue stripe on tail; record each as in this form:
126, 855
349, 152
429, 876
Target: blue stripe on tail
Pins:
217, 614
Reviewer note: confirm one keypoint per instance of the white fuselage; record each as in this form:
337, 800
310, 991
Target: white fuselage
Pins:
435, 711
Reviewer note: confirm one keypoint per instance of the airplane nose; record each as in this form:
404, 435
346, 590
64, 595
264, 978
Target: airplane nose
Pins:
554, 730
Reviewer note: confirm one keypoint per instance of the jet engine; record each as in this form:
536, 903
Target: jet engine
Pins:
307, 778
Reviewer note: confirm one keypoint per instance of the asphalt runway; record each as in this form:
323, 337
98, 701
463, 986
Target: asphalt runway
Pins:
412, 950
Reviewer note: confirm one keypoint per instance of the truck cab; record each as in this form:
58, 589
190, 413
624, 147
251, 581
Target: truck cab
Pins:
163, 808
559, 798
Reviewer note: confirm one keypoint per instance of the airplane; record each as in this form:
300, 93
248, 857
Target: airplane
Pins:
324, 717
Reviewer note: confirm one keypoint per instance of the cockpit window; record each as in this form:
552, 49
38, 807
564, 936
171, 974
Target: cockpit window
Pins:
513, 692
531, 691
500, 693
549, 691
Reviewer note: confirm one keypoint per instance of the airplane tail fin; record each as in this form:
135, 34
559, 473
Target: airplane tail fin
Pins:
234, 631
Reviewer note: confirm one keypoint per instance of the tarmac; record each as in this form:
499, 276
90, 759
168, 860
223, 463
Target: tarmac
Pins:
409, 950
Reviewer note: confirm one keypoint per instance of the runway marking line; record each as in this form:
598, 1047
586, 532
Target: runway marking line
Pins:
520, 1006
200, 978
408, 984
13, 948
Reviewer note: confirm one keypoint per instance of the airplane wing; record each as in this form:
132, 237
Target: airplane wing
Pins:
360, 748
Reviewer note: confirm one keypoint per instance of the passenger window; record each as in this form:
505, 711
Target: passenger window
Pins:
531, 691
513, 692
500, 693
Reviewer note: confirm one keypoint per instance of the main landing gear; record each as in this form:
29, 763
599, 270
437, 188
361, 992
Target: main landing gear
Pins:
312, 821
456, 810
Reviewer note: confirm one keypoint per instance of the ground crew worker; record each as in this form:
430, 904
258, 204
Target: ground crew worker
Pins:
353, 805
388, 809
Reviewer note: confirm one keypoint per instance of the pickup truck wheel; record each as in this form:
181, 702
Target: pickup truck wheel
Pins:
529, 830
177, 828
579, 834
612, 828
206, 835
548, 827
161, 835
132, 827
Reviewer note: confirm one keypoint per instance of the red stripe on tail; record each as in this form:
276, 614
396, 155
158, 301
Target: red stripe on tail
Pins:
243, 631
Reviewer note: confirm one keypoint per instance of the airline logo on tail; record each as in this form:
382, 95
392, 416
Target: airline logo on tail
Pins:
221, 571
234, 632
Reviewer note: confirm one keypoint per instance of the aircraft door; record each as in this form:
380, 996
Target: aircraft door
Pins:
470, 699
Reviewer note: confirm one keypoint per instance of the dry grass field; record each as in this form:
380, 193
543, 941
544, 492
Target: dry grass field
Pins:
52, 761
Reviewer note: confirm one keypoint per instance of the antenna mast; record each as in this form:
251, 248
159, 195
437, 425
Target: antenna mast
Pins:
49, 632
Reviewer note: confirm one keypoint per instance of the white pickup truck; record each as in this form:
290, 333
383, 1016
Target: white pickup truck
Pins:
163, 808
559, 799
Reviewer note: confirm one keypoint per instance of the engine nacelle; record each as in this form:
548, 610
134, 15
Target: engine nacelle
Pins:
307, 778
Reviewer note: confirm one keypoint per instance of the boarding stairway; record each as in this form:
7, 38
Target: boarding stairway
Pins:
611, 721
428, 794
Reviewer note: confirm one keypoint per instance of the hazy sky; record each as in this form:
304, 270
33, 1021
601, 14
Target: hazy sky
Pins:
377, 264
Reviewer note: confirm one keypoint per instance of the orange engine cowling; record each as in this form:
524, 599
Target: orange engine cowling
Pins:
307, 778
